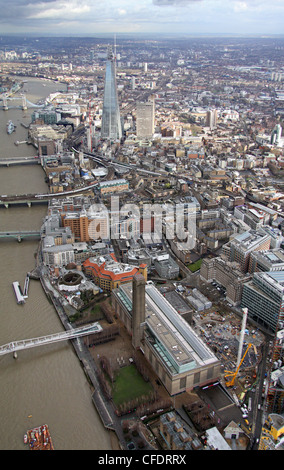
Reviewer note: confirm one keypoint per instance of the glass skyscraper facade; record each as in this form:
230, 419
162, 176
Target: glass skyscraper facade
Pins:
264, 298
111, 123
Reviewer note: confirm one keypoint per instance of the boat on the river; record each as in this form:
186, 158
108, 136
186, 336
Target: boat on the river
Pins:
39, 438
10, 127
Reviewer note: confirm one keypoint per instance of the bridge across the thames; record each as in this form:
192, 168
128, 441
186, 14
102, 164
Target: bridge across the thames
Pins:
19, 161
31, 199
20, 235
15, 346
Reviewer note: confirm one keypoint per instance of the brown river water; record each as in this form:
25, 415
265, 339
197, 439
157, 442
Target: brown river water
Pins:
44, 385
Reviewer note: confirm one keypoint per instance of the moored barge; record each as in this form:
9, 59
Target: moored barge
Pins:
39, 438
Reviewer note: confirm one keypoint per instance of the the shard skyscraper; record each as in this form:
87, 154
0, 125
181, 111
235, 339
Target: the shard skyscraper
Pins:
111, 123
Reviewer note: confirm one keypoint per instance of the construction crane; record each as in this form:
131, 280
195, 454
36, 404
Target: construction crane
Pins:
233, 375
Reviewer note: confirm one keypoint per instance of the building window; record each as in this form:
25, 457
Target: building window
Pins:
196, 378
182, 383
44, 150
210, 373
157, 367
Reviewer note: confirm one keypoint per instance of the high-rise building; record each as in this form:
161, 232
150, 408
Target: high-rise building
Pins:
276, 135
145, 118
211, 118
264, 298
111, 123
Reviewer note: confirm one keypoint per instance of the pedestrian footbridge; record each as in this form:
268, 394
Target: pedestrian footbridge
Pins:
15, 346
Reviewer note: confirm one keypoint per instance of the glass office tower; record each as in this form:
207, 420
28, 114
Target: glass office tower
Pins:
264, 298
111, 123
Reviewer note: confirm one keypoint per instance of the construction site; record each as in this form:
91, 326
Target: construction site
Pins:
237, 345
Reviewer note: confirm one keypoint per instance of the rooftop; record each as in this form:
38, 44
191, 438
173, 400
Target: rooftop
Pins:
273, 257
112, 182
174, 339
248, 240
106, 266
275, 280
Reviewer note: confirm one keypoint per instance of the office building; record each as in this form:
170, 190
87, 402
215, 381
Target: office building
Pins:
240, 248
145, 119
111, 123
276, 236
276, 135
108, 274
46, 116
227, 274
264, 298
166, 267
211, 118
177, 355
269, 260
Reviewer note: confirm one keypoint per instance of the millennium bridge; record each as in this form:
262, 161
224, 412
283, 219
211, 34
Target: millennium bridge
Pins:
15, 346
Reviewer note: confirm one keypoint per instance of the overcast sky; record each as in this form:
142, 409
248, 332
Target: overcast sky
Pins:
76, 17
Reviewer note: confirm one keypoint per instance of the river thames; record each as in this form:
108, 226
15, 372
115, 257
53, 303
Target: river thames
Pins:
45, 385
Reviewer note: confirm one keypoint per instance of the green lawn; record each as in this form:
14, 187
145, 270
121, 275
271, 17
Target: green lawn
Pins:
129, 384
195, 266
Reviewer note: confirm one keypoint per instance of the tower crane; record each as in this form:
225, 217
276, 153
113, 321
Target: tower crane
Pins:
233, 375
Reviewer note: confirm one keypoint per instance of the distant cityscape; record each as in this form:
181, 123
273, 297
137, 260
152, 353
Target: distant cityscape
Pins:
164, 160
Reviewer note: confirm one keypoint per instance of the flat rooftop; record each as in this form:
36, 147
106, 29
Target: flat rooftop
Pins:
174, 339
275, 279
271, 256
248, 240
111, 264
179, 304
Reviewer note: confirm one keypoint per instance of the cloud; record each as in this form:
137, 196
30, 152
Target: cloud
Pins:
19, 8
45, 9
237, 4
177, 16
240, 6
121, 11
59, 10
174, 2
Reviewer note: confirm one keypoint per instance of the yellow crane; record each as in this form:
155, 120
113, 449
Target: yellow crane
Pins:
233, 375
